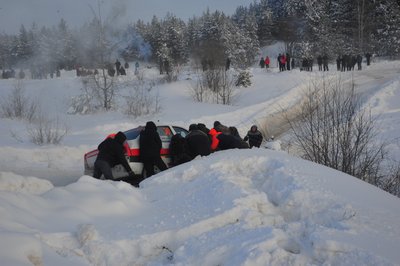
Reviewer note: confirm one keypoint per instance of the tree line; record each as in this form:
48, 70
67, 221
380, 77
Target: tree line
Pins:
331, 27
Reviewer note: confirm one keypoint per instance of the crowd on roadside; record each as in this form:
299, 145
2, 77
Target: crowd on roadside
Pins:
346, 62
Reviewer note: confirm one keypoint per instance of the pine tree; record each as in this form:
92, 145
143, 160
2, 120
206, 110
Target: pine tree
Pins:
6, 51
386, 34
66, 54
264, 18
209, 45
174, 33
24, 47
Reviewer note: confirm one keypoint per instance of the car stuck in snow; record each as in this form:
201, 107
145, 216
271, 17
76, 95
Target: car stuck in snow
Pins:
132, 150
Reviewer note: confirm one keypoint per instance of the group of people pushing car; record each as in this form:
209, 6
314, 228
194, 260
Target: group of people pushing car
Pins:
199, 141
203, 141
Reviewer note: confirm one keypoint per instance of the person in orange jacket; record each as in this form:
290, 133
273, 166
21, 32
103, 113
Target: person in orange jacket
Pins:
214, 140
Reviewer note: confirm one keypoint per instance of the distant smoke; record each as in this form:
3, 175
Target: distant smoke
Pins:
135, 45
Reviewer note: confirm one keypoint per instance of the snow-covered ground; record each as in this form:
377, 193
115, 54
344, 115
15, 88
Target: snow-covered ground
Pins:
237, 207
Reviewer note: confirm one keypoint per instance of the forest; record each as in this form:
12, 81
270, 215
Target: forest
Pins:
307, 28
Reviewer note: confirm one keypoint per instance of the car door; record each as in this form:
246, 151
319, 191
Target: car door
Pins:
166, 134
180, 130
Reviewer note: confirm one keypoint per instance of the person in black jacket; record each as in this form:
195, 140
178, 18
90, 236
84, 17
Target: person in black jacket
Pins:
150, 147
220, 127
234, 132
228, 141
111, 153
198, 142
254, 137
178, 150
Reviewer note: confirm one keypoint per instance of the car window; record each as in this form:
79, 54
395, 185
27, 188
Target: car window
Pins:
165, 133
133, 133
181, 131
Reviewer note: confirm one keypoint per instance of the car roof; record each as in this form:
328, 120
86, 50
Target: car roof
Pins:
134, 132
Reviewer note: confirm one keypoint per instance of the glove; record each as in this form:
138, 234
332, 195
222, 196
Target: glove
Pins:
131, 174
133, 179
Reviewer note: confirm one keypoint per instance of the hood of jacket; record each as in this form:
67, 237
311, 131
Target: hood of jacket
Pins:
120, 137
151, 126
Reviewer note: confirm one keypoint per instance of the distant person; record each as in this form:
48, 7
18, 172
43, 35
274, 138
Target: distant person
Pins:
325, 62
319, 62
338, 61
166, 66
111, 153
359, 61
117, 66
279, 62
288, 61
282, 62
150, 148
122, 71
228, 64
368, 57
111, 71
254, 137
126, 65
136, 68
262, 62
267, 62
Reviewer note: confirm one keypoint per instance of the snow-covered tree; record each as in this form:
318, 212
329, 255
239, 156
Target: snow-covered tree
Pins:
66, 55
24, 48
175, 37
217, 38
385, 36
264, 16
6, 47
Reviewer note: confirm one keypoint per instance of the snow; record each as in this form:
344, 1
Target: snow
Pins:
236, 207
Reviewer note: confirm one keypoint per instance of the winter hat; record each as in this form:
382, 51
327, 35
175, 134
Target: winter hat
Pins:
217, 123
193, 127
150, 126
202, 127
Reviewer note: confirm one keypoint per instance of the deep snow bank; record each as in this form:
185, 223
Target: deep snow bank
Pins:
238, 207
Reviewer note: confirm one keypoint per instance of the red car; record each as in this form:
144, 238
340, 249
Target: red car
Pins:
132, 150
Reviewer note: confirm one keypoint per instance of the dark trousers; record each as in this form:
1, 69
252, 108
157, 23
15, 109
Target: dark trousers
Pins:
102, 167
149, 163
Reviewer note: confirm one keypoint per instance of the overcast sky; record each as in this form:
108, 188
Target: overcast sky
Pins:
13, 13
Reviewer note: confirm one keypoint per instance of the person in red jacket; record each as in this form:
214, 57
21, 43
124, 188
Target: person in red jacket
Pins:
282, 64
267, 61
